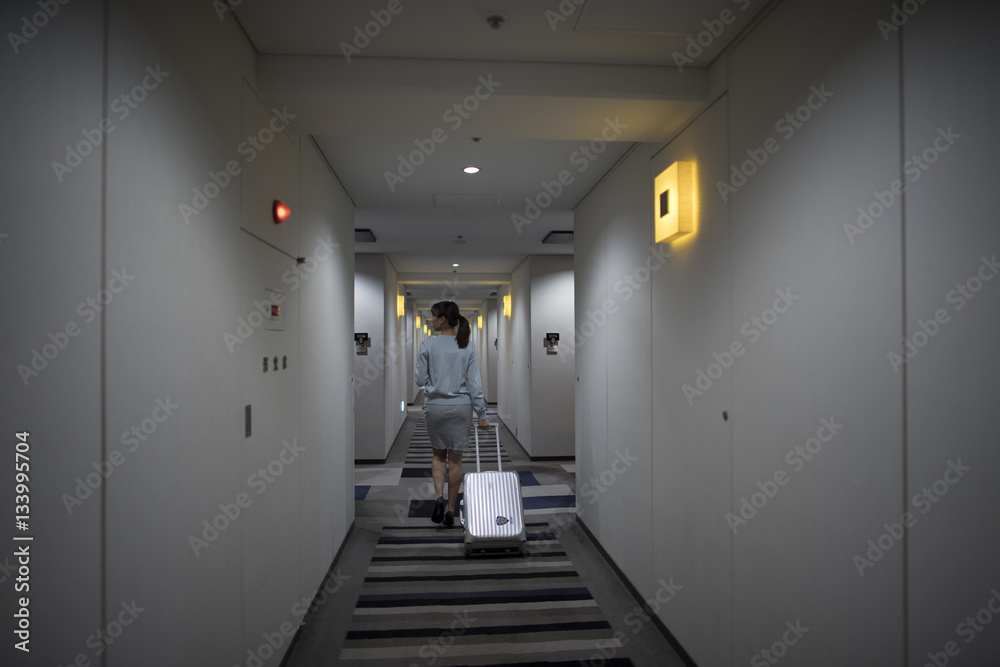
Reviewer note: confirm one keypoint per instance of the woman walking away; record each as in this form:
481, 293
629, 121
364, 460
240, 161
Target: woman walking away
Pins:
448, 371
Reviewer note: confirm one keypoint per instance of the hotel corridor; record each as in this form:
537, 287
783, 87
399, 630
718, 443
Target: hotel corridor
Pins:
402, 591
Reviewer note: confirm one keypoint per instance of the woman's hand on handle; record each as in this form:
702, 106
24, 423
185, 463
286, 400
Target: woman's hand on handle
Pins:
484, 424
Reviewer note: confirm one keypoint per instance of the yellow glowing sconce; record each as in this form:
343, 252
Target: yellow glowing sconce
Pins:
506, 305
418, 321
400, 305
673, 203
479, 322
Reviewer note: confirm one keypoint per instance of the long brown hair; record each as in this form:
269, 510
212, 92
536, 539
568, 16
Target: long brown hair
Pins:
449, 310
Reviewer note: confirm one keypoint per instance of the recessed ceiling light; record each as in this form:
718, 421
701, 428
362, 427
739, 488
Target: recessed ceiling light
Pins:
454, 264
471, 170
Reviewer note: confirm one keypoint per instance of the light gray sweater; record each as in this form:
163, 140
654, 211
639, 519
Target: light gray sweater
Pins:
449, 374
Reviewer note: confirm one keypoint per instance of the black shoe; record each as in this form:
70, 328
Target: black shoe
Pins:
449, 519
438, 510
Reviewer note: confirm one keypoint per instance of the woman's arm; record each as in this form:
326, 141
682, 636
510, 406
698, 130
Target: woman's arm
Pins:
420, 375
475, 385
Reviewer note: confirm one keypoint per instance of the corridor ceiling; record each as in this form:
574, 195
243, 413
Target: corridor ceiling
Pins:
401, 95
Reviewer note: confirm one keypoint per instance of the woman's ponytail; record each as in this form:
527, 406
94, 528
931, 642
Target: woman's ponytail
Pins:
449, 310
463, 332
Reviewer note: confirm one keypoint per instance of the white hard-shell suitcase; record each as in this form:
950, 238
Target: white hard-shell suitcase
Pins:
492, 511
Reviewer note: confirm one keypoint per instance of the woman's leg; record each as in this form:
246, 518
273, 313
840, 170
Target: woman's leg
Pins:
454, 477
438, 470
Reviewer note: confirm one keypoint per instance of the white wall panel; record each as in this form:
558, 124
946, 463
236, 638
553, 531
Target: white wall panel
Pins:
553, 376
590, 348
167, 337
627, 479
952, 240
824, 357
369, 376
272, 469
327, 414
50, 263
692, 441
520, 328
490, 322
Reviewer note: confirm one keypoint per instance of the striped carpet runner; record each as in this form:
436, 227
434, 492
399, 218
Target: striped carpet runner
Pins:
424, 603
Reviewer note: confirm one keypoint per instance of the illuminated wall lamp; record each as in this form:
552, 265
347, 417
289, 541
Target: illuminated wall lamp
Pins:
506, 305
280, 212
479, 321
673, 209
418, 322
400, 305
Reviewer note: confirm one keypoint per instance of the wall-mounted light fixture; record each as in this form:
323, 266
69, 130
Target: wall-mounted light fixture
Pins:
673, 203
280, 212
400, 305
506, 305
418, 321
479, 321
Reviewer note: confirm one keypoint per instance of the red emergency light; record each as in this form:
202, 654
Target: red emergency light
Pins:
280, 212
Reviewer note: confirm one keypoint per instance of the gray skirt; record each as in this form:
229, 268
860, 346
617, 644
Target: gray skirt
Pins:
448, 426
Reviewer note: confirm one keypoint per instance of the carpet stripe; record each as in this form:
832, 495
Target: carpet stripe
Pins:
473, 631
500, 648
472, 577
511, 606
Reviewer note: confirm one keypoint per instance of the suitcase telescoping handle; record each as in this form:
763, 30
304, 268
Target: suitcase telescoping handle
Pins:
499, 462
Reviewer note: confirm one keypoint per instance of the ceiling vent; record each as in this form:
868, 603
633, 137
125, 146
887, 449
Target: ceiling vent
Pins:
559, 237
